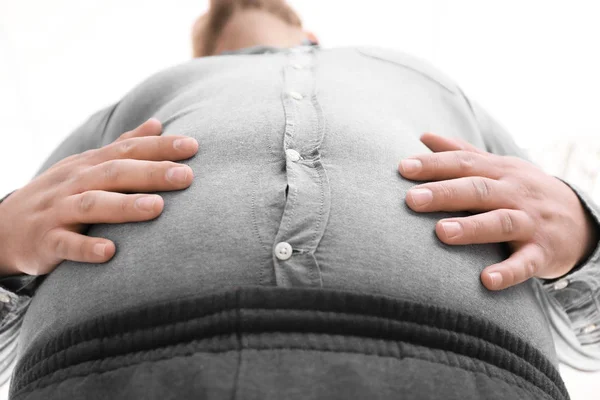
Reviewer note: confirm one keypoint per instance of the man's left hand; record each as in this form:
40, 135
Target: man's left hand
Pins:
512, 200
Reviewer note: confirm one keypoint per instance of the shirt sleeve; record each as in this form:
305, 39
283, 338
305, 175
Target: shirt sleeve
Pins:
16, 291
572, 302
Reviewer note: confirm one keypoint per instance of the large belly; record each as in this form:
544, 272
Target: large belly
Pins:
220, 233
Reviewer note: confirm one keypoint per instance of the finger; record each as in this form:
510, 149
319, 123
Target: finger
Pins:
131, 176
492, 227
100, 207
151, 127
67, 245
450, 165
520, 266
159, 148
437, 143
462, 194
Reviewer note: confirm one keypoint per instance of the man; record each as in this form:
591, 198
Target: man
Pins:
288, 254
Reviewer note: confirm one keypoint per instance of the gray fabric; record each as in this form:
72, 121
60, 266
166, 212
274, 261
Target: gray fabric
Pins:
422, 374
362, 111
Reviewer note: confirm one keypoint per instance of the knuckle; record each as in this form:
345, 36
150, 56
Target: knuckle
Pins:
526, 187
523, 190
124, 136
160, 144
509, 192
465, 160
125, 148
475, 226
68, 160
86, 202
76, 173
446, 191
111, 170
152, 173
482, 188
74, 162
433, 163
75, 181
508, 223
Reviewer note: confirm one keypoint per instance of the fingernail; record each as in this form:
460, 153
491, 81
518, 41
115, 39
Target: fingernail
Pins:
145, 203
100, 249
496, 278
421, 197
177, 174
185, 144
411, 166
452, 229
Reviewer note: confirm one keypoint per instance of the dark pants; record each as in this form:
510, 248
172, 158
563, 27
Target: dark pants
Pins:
273, 343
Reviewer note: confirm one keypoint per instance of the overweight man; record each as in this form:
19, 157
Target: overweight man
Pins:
271, 220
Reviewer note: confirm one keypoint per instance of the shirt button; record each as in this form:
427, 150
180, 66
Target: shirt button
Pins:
589, 329
4, 298
563, 283
292, 154
283, 251
296, 95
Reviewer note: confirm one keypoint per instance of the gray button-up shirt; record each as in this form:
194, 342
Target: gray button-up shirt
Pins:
296, 185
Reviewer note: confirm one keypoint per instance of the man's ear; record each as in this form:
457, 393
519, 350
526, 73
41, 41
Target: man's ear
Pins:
312, 37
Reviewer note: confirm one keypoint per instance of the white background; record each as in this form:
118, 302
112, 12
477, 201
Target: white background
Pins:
533, 64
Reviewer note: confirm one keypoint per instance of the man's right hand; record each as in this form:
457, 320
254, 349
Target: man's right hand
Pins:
41, 224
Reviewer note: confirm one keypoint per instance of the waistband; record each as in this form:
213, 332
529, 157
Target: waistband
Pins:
209, 319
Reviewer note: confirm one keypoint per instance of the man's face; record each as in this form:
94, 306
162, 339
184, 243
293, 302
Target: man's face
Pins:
248, 20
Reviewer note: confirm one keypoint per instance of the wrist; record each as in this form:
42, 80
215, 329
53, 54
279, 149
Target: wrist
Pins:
7, 266
586, 225
592, 235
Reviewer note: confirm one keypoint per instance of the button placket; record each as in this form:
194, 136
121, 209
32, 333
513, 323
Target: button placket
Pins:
307, 206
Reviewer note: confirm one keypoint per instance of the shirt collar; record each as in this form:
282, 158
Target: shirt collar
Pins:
266, 49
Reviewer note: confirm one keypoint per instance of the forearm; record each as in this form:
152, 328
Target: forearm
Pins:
6, 263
